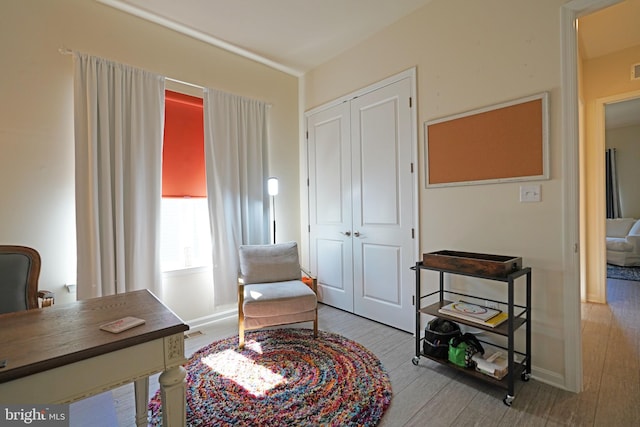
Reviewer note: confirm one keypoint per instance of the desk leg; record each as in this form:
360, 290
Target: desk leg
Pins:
173, 393
141, 389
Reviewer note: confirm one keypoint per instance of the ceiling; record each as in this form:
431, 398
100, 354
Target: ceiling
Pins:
623, 113
295, 36
298, 35
290, 35
611, 29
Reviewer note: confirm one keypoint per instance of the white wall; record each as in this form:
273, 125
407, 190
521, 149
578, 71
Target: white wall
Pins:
36, 120
470, 55
626, 140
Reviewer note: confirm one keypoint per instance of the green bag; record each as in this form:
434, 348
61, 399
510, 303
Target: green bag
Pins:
462, 349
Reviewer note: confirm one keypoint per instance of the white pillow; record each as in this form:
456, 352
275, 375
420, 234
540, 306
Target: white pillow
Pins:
619, 227
635, 230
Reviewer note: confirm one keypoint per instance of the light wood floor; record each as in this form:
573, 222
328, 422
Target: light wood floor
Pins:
432, 395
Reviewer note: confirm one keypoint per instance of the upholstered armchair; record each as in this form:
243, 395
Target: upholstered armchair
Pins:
271, 291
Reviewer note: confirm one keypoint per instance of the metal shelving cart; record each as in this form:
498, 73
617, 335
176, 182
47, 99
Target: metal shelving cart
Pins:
518, 316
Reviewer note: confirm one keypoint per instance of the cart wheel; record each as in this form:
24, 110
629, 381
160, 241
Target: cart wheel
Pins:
508, 399
525, 376
415, 360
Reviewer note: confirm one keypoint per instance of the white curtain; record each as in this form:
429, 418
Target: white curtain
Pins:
235, 139
119, 115
614, 209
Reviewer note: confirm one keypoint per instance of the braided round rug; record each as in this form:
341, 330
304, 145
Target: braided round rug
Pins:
283, 377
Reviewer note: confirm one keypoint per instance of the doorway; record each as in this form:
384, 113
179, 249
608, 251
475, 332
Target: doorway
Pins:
577, 230
362, 203
607, 53
622, 134
573, 212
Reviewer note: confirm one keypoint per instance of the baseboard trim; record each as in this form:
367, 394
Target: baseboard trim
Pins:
201, 322
548, 377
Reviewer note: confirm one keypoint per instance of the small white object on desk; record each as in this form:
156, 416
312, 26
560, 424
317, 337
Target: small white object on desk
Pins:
123, 324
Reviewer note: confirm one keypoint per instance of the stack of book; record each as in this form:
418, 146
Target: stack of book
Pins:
486, 316
492, 363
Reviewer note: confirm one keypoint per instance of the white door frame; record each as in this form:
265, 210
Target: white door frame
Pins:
570, 136
599, 290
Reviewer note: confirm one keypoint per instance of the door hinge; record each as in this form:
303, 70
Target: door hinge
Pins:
308, 228
411, 167
413, 233
307, 134
307, 182
410, 102
413, 300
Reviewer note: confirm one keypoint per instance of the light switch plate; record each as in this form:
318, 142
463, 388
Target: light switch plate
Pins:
530, 193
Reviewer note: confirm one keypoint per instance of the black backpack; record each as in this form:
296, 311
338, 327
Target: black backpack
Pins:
437, 335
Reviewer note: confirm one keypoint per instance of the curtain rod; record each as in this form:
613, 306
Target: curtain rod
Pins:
66, 51
184, 83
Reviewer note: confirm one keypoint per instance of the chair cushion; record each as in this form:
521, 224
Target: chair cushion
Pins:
277, 299
263, 322
269, 263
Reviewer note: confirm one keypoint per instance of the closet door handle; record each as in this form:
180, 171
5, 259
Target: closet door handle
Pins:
356, 233
346, 233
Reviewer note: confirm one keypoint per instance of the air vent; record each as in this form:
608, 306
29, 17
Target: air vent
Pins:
635, 71
193, 334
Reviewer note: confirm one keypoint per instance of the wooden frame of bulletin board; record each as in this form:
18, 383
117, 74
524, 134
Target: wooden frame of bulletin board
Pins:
501, 143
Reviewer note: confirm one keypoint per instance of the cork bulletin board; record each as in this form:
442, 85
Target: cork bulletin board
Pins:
501, 143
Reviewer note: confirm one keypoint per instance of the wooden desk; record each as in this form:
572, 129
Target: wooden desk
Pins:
59, 355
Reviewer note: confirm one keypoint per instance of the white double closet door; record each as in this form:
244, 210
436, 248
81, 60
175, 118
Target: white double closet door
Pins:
361, 203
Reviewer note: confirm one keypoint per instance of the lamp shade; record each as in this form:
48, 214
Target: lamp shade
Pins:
272, 186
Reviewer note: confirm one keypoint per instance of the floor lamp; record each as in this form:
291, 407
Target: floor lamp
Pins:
272, 189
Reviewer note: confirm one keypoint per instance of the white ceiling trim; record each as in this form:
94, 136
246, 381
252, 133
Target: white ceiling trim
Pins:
183, 29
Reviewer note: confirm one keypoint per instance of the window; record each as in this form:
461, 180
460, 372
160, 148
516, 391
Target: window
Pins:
185, 239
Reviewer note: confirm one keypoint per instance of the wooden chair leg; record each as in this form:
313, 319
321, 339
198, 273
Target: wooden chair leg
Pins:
241, 338
315, 325
314, 287
240, 317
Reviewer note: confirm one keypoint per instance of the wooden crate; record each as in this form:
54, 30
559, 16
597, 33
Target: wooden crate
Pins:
472, 263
